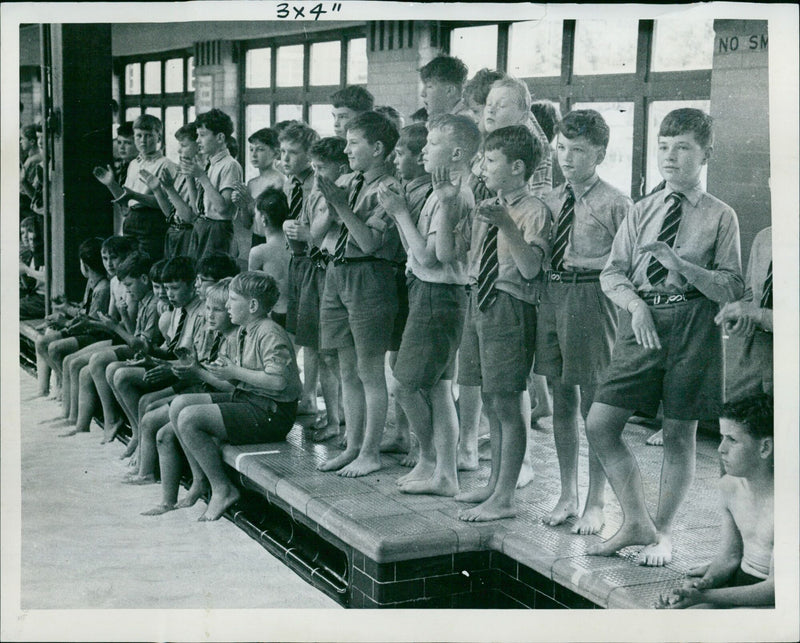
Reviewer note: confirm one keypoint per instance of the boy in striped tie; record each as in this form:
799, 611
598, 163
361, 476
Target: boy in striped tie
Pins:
674, 261
577, 322
507, 249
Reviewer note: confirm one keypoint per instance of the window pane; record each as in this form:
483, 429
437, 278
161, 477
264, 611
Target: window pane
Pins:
133, 81
679, 44
289, 66
321, 119
257, 65
152, 77
658, 110
132, 113
191, 115
255, 117
476, 46
173, 121
325, 62
173, 75
534, 48
605, 47
289, 113
357, 61
190, 74
616, 166
153, 111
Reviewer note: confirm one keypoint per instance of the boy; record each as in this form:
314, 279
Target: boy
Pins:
442, 81
213, 229
263, 405
674, 260
437, 274
509, 242
743, 572
360, 300
347, 104
143, 218
577, 322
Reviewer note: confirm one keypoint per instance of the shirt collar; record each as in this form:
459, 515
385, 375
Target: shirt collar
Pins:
219, 156
582, 189
145, 301
515, 196
153, 157
373, 174
692, 195
420, 180
303, 176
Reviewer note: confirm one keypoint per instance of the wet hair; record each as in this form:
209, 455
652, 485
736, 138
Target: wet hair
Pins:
420, 116
374, 127
517, 144
462, 129
155, 271
149, 123
188, 132
257, 285
89, 253
392, 114
135, 265
217, 294
477, 87
125, 130
178, 268
414, 137
585, 122
523, 94
755, 413
445, 69
353, 97
217, 265
29, 132
265, 135
330, 149
299, 133
274, 206
686, 120
547, 114
217, 122
120, 246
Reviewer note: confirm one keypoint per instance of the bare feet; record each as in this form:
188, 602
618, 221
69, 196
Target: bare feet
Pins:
411, 458
321, 435
110, 431
467, 458
192, 496
395, 442
657, 439
220, 503
565, 508
658, 553
69, 434
423, 470
628, 534
342, 443
140, 480
525, 473
492, 509
478, 495
433, 486
361, 466
591, 522
484, 448
159, 509
131, 448
306, 407
339, 461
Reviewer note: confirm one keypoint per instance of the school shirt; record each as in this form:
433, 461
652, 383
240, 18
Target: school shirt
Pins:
417, 191
708, 236
599, 211
268, 348
431, 220
99, 290
314, 206
147, 320
532, 217
194, 309
758, 264
158, 165
181, 186
225, 173
306, 178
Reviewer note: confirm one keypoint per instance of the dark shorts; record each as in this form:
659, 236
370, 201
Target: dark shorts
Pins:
749, 366
308, 306
359, 306
432, 333
253, 419
177, 242
575, 329
741, 579
299, 267
498, 345
685, 375
210, 236
149, 227
402, 309
31, 306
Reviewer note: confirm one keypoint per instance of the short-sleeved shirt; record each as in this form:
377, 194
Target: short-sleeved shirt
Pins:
758, 265
158, 165
708, 237
147, 319
532, 218
194, 309
417, 192
599, 210
268, 348
431, 220
224, 173
99, 291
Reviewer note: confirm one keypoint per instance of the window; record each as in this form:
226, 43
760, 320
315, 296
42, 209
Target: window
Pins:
173, 75
534, 48
605, 46
152, 77
258, 65
289, 70
616, 166
357, 61
679, 44
325, 63
319, 117
476, 46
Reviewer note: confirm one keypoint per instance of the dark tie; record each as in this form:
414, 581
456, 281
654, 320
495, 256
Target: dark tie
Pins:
173, 343
489, 269
565, 220
656, 273
296, 199
201, 200
341, 242
766, 295
214, 352
242, 335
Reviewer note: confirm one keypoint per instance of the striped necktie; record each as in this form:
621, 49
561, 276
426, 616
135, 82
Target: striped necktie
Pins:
173, 343
766, 295
489, 269
341, 242
656, 273
214, 352
242, 335
565, 220
296, 199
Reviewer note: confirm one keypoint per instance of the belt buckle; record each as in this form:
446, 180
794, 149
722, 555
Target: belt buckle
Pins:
555, 276
675, 299
656, 299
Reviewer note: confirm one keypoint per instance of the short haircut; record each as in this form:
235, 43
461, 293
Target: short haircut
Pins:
29, 132
178, 268
299, 133
414, 137
462, 129
120, 246
420, 116
755, 413
517, 144
217, 266
155, 271
257, 285
375, 127
217, 294
272, 203
125, 130
282, 125
353, 97
89, 253
585, 122
520, 89
445, 69
686, 120
216, 121
32, 222
477, 87
265, 135
392, 114
149, 123
135, 265
330, 149
547, 114
188, 132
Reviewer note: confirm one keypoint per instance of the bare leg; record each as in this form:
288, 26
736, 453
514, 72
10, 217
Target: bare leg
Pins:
420, 415
199, 485
565, 434
354, 409
329, 379
169, 458
57, 351
495, 443
469, 408
42, 364
542, 405
87, 399
112, 421
308, 403
148, 429
396, 438
526, 470
593, 518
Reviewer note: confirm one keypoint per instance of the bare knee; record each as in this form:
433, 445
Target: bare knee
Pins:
165, 436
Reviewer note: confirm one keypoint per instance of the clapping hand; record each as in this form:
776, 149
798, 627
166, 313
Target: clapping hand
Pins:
104, 174
392, 201
334, 195
151, 179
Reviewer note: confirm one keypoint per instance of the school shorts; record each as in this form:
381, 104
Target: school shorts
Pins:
498, 345
177, 242
402, 308
300, 269
359, 306
575, 328
685, 375
749, 366
432, 333
250, 418
149, 227
210, 236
